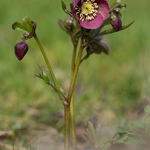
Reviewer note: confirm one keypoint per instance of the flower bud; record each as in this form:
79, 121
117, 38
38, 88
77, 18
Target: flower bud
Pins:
21, 49
69, 24
115, 22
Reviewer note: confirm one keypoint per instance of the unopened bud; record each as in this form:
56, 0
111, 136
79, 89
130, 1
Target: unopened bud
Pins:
117, 24
69, 20
21, 49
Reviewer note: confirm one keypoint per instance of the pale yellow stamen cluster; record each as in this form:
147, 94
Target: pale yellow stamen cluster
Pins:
87, 10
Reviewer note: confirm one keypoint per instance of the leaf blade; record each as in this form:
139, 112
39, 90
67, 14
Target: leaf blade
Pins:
112, 30
18, 27
26, 21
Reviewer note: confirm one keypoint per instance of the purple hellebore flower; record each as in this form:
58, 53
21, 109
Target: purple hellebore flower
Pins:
90, 14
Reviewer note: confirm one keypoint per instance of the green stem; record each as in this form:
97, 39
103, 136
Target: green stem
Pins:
75, 74
71, 106
72, 113
47, 61
73, 60
72, 121
69, 113
67, 127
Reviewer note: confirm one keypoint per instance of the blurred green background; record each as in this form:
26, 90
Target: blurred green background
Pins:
118, 82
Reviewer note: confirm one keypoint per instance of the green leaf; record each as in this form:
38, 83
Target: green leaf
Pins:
115, 3
62, 25
92, 131
97, 31
18, 27
118, 4
89, 136
121, 130
63, 5
112, 30
97, 47
46, 75
122, 6
122, 138
101, 47
26, 21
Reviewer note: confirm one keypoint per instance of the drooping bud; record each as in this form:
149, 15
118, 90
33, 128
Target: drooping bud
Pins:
115, 22
21, 49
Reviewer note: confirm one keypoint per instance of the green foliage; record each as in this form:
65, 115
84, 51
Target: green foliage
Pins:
18, 27
26, 21
27, 26
112, 30
131, 136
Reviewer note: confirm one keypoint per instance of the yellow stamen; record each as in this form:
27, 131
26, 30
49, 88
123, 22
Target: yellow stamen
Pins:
87, 10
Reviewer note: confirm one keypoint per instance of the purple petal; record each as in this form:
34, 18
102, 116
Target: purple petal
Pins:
103, 8
92, 24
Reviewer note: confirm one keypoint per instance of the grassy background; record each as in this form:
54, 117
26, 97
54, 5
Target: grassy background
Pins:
117, 82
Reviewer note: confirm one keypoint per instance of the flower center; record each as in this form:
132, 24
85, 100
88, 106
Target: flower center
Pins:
86, 10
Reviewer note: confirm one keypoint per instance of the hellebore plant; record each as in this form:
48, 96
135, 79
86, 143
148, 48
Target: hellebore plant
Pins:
84, 24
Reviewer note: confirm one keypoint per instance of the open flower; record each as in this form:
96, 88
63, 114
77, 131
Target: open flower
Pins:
90, 14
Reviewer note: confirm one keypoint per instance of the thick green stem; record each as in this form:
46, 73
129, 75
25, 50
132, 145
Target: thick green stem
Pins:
71, 89
70, 104
67, 127
72, 113
47, 61
72, 121
69, 116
